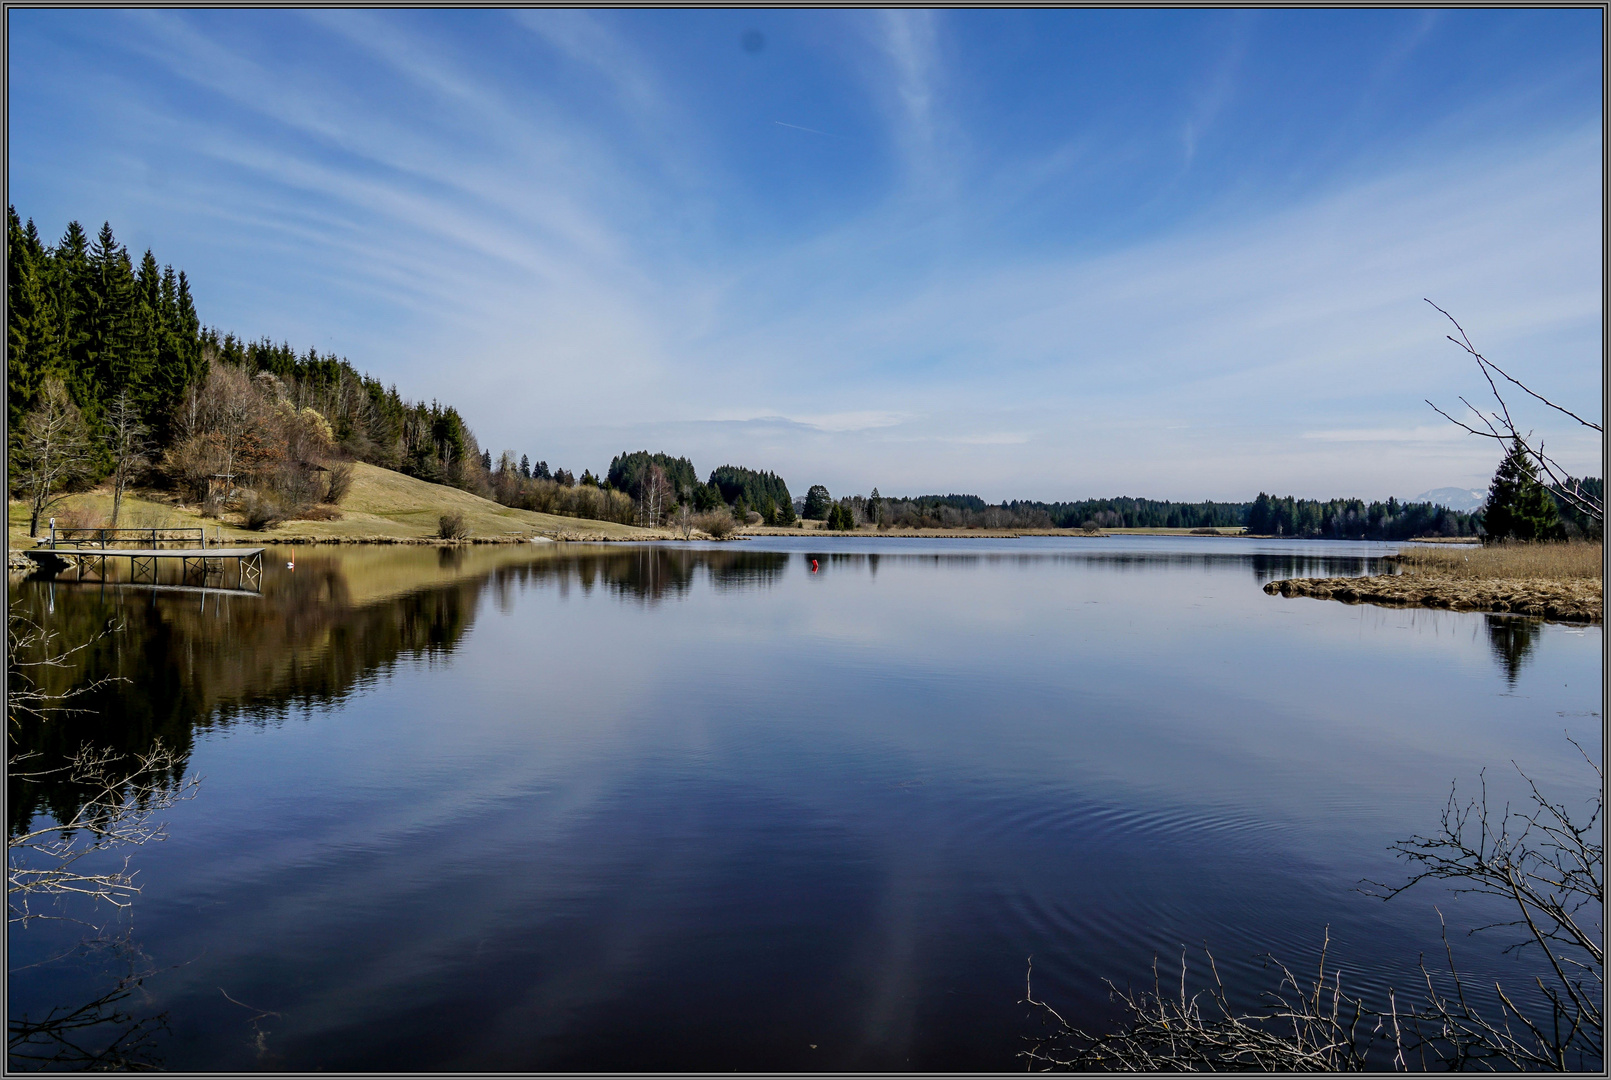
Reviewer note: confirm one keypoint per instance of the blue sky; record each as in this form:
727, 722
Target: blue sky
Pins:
1037, 254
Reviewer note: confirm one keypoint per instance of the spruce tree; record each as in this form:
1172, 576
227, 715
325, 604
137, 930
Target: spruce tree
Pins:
816, 503
145, 338
1519, 507
31, 335
109, 362
69, 286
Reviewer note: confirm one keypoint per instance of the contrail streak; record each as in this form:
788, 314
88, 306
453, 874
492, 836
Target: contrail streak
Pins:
797, 127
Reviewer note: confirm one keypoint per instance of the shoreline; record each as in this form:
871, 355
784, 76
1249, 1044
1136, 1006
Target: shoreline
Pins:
1574, 601
268, 539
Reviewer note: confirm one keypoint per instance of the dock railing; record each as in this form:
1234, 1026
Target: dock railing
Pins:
108, 539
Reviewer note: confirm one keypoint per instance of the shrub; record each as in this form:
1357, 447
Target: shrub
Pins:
260, 511
338, 481
451, 526
717, 523
752, 518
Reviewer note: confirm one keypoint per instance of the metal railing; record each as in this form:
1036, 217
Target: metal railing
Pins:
105, 539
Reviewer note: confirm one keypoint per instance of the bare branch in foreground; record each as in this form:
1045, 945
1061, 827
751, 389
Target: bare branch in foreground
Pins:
1504, 429
1301, 1029
1548, 865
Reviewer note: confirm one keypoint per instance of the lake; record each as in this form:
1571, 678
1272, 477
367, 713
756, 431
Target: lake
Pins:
778, 804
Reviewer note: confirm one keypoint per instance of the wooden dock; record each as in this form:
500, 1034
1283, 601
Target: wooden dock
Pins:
87, 550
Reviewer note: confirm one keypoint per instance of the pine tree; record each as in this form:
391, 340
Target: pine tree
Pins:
1519, 507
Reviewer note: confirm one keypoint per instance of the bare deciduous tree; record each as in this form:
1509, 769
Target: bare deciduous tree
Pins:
53, 453
656, 493
1500, 426
128, 439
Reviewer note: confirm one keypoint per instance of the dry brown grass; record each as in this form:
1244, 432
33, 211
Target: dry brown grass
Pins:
1509, 562
1568, 600
1549, 581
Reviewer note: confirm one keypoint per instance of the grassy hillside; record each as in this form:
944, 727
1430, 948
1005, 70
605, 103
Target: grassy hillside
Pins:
381, 503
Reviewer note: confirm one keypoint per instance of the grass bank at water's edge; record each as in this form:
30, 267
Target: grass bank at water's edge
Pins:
382, 507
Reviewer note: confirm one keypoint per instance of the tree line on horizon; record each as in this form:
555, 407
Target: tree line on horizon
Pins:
112, 375
1266, 515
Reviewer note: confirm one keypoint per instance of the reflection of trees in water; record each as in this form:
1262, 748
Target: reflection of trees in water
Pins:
187, 664
651, 574
1513, 639
1276, 567
1266, 567
191, 661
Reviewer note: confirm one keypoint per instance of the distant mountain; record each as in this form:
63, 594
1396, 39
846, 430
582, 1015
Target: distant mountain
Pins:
1464, 500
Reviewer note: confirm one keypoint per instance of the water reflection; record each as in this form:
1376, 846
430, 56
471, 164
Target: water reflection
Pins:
1513, 639
841, 842
652, 574
336, 622
107, 1032
341, 619
1265, 567
171, 666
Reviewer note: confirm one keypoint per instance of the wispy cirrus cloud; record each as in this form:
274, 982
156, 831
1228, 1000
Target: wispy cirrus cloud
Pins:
567, 226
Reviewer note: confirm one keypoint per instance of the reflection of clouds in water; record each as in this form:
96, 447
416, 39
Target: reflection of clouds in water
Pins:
795, 796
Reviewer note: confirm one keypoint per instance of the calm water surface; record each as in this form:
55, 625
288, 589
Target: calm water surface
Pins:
683, 807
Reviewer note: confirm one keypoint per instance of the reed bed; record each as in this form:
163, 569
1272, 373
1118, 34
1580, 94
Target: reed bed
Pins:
1550, 581
1575, 561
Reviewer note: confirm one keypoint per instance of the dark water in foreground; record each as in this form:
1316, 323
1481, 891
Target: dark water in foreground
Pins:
700, 808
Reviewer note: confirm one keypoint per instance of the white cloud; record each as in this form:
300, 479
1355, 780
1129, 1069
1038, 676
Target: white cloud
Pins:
537, 262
